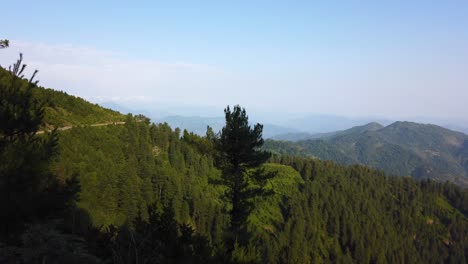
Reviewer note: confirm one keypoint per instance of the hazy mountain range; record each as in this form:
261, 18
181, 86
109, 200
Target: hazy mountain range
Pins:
401, 148
398, 148
198, 125
282, 126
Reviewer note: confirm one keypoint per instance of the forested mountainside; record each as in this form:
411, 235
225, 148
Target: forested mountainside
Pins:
320, 212
402, 148
308, 136
62, 109
147, 193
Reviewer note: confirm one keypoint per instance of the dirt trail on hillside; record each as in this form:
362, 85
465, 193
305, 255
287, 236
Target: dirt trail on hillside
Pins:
92, 125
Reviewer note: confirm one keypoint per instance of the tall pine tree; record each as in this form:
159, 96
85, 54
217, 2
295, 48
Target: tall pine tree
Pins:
29, 193
239, 158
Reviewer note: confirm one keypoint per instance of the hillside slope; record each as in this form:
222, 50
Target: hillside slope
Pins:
402, 148
319, 212
62, 109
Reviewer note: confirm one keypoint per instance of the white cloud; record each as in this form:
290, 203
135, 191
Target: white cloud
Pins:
91, 73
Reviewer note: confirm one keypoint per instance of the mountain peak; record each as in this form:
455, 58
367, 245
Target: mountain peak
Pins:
404, 124
373, 126
418, 126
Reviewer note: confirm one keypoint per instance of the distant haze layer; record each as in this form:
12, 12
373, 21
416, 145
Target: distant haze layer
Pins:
398, 59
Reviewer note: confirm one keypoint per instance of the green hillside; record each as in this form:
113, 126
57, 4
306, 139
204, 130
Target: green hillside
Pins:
62, 109
402, 148
320, 211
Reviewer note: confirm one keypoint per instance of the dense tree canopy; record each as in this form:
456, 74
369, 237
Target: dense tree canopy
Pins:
30, 194
239, 159
27, 186
423, 151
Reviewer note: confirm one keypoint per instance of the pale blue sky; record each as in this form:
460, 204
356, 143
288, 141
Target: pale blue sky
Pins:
397, 59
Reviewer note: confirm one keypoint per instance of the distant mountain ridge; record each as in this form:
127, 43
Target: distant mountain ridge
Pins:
401, 148
198, 125
327, 123
306, 136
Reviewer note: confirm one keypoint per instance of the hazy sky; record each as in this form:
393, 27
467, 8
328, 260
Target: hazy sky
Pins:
396, 59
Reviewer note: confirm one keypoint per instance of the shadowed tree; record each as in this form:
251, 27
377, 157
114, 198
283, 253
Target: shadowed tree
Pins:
239, 157
4, 43
29, 192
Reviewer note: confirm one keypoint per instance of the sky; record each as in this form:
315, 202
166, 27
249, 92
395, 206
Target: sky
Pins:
398, 59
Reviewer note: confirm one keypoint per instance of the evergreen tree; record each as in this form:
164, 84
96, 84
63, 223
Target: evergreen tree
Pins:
29, 192
239, 159
4, 43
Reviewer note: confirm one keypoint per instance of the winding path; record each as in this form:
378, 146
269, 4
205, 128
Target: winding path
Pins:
92, 125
